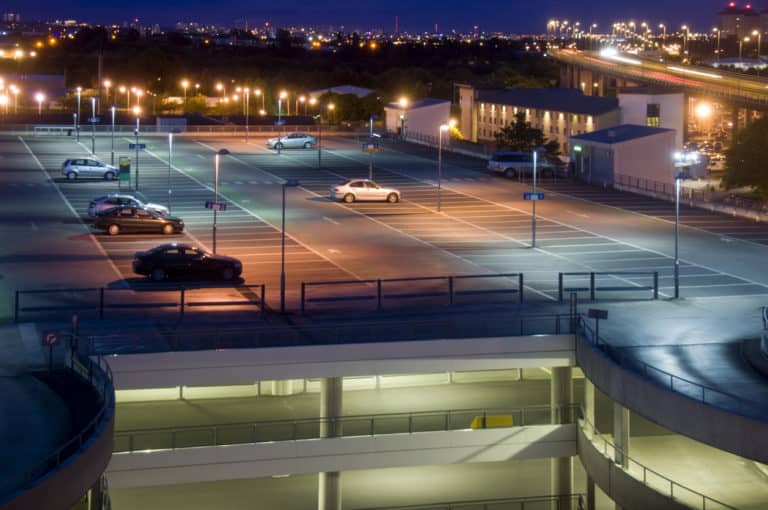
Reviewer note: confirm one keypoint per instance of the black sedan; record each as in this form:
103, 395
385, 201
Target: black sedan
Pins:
176, 260
137, 220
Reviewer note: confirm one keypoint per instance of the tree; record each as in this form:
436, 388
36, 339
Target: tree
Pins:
520, 136
745, 160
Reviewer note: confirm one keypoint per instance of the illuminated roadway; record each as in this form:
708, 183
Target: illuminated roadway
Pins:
739, 89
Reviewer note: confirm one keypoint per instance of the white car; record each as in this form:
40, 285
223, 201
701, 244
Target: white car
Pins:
87, 167
292, 141
363, 190
105, 202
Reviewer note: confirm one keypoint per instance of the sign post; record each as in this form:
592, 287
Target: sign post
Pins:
534, 197
50, 338
124, 171
371, 148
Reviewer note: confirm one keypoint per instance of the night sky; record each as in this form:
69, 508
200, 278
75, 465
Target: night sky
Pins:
520, 16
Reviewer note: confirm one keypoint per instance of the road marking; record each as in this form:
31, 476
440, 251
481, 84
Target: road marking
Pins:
326, 218
581, 215
99, 247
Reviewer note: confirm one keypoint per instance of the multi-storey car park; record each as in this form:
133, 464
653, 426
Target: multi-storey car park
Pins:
386, 390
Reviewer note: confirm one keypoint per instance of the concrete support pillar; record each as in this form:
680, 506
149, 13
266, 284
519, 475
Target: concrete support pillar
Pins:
561, 395
589, 401
590, 494
621, 434
96, 500
331, 405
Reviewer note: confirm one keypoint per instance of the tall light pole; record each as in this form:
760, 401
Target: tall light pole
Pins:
685, 40
107, 84
741, 45
663, 27
247, 93
683, 160
40, 97
77, 122
112, 158
16, 92
257, 92
280, 98
535, 155
185, 86
170, 164
403, 105
302, 100
219, 153
137, 113
717, 52
443, 127
290, 183
93, 125
759, 41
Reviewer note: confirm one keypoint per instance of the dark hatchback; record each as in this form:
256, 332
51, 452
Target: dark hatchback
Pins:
176, 260
136, 220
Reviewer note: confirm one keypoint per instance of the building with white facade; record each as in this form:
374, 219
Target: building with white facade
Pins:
654, 107
417, 121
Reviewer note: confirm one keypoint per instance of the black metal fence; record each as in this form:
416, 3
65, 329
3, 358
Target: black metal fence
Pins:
594, 282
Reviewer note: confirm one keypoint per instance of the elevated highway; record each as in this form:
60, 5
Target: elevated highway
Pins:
592, 67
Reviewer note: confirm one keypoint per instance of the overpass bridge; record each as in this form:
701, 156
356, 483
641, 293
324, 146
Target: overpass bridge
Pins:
593, 72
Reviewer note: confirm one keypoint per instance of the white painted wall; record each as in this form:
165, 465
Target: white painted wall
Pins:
672, 111
205, 464
246, 366
420, 122
649, 157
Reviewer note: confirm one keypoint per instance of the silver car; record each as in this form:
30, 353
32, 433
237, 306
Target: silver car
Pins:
292, 141
106, 202
87, 167
363, 190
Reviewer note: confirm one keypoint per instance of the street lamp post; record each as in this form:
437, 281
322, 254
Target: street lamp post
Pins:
717, 52
137, 112
112, 158
39, 97
683, 161
107, 84
403, 105
759, 41
741, 45
170, 164
443, 127
219, 153
290, 183
93, 125
185, 85
536, 152
247, 93
663, 28
319, 118
77, 123
280, 98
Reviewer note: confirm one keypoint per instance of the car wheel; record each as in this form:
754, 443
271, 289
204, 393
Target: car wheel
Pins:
392, 198
158, 275
510, 173
308, 145
71, 176
227, 273
278, 145
109, 176
168, 229
113, 229
349, 198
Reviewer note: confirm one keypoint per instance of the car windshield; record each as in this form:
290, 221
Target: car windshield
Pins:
344, 182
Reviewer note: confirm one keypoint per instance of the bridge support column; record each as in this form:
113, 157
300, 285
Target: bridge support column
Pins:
590, 503
331, 399
561, 396
589, 401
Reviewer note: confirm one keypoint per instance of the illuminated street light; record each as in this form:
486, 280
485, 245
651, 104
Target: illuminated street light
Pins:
741, 45
15, 91
283, 94
112, 158
443, 128
93, 125
124, 90
257, 92
107, 84
683, 160
717, 52
221, 89
138, 93
536, 151
39, 97
403, 106
663, 27
247, 95
759, 41
185, 86
4, 100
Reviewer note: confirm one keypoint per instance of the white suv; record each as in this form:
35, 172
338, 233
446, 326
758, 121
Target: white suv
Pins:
363, 190
87, 167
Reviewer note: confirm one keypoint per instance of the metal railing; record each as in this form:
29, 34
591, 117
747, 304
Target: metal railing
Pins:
557, 502
130, 441
99, 375
650, 478
377, 292
99, 300
700, 392
350, 332
593, 284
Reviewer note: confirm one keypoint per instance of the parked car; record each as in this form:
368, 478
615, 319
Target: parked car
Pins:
363, 190
184, 260
137, 220
102, 203
87, 167
512, 164
292, 141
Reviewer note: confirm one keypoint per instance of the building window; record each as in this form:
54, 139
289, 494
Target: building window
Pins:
653, 114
